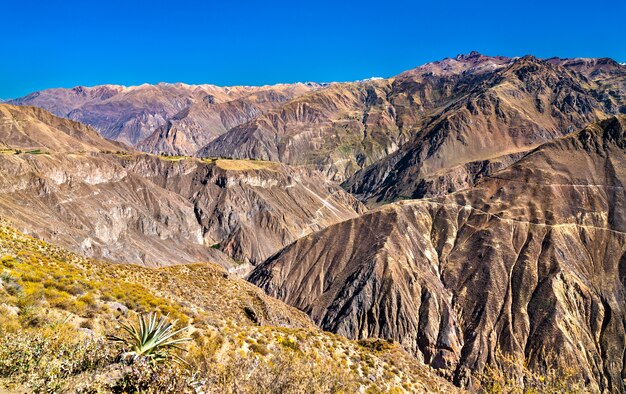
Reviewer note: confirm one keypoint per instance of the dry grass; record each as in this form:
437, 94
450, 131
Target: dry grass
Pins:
512, 375
173, 157
244, 165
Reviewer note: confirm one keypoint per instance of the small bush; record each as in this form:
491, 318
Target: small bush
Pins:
288, 342
259, 349
375, 344
144, 377
153, 337
8, 261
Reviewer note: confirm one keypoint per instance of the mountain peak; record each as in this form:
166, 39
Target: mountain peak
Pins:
470, 56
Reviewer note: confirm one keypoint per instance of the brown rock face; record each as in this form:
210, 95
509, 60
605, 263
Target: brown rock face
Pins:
206, 119
30, 127
347, 126
139, 208
417, 134
250, 209
530, 261
92, 205
172, 118
146, 210
509, 111
337, 130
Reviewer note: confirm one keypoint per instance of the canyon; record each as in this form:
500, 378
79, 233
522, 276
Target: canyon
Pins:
469, 210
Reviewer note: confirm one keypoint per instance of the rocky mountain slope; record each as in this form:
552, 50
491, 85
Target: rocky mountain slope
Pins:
336, 130
56, 308
173, 118
344, 127
203, 121
514, 109
530, 262
145, 209
250, 209
30, 127
425, 131
90, 204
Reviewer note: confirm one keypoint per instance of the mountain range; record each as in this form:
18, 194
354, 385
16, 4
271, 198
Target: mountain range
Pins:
374, 134
470, 210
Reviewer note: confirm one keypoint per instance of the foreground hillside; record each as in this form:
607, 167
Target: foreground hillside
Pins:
529, 263
56, 307
65, 185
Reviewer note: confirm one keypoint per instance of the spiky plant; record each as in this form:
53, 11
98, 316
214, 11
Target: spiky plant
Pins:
153, 338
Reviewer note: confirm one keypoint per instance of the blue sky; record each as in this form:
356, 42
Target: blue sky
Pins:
64, 44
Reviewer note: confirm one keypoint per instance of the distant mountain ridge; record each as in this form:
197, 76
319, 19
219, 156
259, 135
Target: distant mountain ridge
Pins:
425, 123
32, 127
386, 139
510, 111
131, 114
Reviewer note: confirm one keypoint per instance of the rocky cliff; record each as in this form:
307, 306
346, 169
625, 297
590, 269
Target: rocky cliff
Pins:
138, 208
529, 262
250, 209
90, 204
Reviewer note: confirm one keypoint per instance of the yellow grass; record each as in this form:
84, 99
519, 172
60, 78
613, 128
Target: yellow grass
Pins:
244, 165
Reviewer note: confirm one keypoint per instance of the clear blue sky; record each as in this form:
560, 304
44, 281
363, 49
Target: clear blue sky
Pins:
230, 42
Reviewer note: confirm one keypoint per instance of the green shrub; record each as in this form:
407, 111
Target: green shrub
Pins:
153, 338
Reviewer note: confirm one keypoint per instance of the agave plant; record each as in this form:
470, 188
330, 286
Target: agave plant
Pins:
153, 338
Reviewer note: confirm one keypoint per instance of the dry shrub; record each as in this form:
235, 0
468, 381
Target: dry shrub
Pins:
44, 358
513, 375
143, 376
289, 372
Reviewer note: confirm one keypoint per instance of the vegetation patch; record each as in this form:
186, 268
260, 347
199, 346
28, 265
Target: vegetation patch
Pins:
244, 165
57, 310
